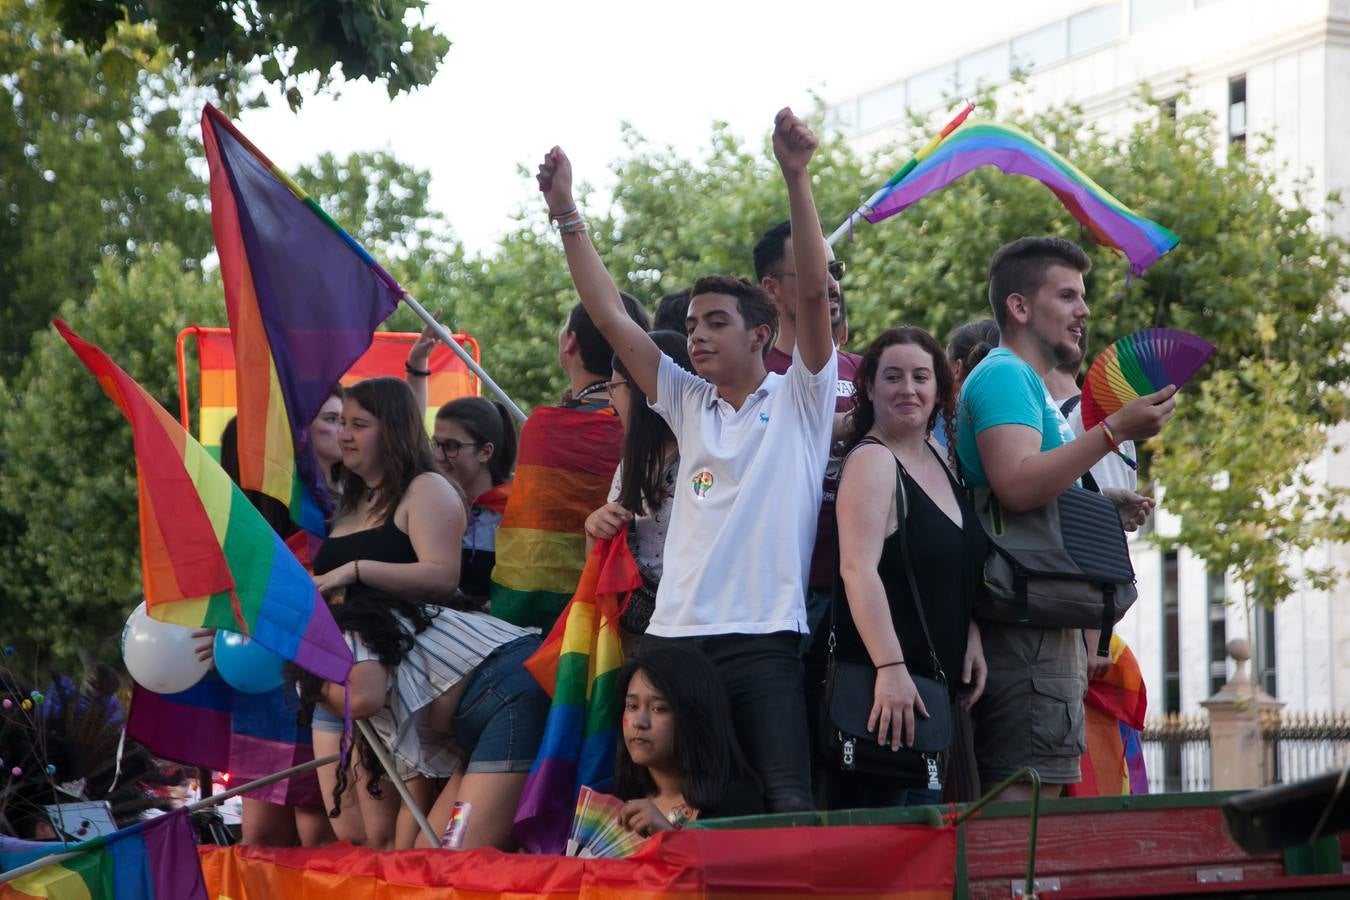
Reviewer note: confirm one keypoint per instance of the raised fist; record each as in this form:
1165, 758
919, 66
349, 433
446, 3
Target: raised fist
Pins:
793, 142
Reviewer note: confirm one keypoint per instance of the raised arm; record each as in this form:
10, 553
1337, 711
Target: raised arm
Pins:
1023, 478
793, 145
594, 285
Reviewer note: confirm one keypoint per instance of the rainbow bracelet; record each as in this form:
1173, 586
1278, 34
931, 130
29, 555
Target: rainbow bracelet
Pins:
1115, 446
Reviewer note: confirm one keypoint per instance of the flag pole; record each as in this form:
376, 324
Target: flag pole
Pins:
382, 753
895, 179
463, 354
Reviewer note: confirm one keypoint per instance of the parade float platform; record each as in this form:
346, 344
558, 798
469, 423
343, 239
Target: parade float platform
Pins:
1141, 846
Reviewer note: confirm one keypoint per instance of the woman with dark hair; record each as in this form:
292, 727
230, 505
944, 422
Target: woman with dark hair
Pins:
475, 443
968, 344
396, 531
678, 758
447, 692
643, 490
903, 383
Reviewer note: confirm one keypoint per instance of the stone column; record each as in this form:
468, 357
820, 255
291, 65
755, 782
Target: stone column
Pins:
1237, 753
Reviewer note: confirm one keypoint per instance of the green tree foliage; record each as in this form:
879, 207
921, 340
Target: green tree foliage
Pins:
93, 165
215, 40
70, 571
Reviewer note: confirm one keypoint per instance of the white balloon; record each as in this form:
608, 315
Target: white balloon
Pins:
161, 657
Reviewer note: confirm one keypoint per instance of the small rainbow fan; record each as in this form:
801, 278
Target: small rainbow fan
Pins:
1139, 364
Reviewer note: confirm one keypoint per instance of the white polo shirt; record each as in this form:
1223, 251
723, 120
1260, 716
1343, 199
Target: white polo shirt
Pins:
746, 501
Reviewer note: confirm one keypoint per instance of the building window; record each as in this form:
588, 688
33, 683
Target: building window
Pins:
1263, 650
1094, 29
1237, 114
1171, 633
931, 88
1217, 601
990, 66
881, 107
1146, 12
1042, 47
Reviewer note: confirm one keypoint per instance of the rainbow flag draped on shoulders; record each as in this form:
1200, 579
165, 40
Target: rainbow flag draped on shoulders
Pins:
208, 558
578, 664
151, 860
303, 300
973, 144
1114, 711
564, 468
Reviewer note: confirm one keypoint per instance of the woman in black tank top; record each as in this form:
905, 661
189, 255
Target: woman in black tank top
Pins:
903, 384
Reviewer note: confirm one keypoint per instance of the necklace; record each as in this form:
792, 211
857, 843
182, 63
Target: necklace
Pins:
589, 389
370, 493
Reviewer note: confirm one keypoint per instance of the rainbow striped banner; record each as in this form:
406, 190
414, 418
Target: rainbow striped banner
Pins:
208, 558
1114, 711
564, 467
578, 664
887, 862
974, 144
152, 860
303, 299
450, 378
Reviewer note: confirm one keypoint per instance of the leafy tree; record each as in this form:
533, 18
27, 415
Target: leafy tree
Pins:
92, 165
70, 565
216, 40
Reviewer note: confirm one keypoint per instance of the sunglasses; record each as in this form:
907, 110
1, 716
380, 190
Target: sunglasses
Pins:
835, 267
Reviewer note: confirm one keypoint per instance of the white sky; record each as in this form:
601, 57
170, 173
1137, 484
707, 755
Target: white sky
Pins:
523, 75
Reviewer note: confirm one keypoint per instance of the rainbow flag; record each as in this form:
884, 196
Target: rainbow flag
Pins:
208, 558
974, 144
450, 378
1114, 711
303, 299
151, 860
577, 664
878, 862
564, 467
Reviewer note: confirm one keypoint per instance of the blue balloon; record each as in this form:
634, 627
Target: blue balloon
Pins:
247, 665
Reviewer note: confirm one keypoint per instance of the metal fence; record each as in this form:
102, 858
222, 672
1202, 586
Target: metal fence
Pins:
1297, 746
1176, 753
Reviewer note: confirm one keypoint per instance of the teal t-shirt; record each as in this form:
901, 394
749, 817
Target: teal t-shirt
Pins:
1004, 390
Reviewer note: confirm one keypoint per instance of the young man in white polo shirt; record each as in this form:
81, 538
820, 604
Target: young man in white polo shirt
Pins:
753, 449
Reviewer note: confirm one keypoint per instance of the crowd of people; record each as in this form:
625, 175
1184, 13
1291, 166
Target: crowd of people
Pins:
792, 509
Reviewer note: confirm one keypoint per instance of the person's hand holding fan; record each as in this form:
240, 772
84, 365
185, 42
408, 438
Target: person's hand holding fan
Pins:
1139, 366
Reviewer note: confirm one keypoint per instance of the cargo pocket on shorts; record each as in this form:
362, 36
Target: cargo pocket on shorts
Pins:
1056, 715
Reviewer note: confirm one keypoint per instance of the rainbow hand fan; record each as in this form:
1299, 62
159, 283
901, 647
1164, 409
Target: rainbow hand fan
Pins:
1139, 364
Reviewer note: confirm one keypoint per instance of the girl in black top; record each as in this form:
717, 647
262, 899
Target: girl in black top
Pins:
678, 759
903, 384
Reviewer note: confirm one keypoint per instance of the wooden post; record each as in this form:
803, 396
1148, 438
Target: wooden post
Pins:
1237, 754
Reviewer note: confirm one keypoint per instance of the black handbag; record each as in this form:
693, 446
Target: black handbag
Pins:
849, 693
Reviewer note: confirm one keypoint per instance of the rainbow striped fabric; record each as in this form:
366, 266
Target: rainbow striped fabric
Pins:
564, 467
303, 299
1012, 151
577, 664
1114, 711
450, 379
152, 860
208, 558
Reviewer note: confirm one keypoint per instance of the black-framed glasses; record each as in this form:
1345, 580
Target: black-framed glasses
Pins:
452, 447
835, 267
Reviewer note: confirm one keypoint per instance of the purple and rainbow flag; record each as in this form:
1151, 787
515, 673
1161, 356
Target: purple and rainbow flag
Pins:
303, 299
578, 664
973, 144
151, 860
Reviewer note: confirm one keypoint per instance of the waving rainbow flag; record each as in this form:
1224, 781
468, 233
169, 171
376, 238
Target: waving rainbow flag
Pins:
578, 664
303, 299
151, 860
208, 558
1108, 221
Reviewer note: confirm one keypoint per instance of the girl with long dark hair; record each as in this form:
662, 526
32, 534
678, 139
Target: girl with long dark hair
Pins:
643, 491
678, 758
903, 385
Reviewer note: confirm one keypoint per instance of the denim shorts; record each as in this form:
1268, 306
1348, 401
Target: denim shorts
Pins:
500, 721
325, 721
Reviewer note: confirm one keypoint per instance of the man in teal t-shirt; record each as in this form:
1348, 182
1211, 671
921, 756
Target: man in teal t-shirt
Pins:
1011, 437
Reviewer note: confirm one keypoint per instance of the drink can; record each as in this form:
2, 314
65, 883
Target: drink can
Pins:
453, 838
